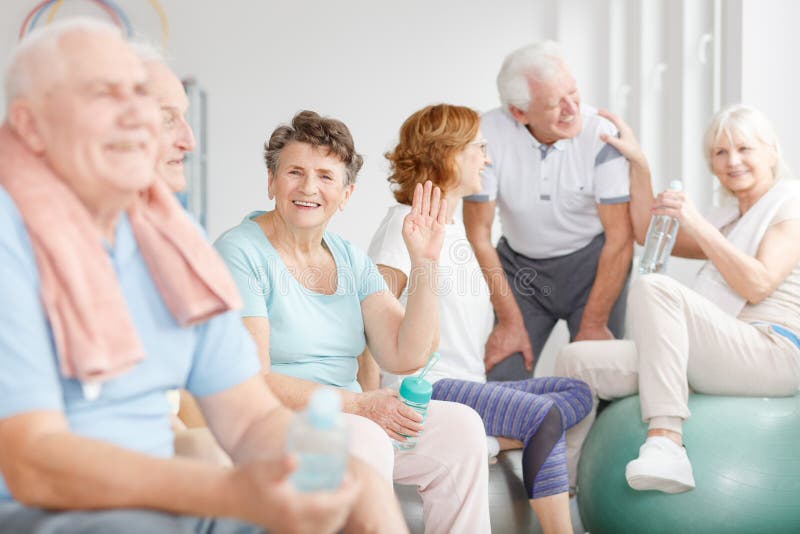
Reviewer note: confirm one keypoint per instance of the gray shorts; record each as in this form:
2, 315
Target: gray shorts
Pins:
550, 289
18, 519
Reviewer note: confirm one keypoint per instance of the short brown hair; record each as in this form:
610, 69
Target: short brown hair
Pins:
310, 127
429, 142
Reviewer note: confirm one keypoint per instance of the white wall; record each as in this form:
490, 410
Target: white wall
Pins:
372, 63
770, 78
369, 63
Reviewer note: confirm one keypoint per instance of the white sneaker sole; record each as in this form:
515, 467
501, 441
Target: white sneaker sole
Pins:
660, 481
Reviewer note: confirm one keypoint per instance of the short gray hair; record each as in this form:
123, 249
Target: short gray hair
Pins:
42, 45
312, 128
541, 61
752, 125
148, 51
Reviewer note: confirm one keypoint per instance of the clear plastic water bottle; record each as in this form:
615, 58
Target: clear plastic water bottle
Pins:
317, 437
415, 392
660, 239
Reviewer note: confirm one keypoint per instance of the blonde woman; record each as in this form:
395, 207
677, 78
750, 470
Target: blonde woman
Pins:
736, 331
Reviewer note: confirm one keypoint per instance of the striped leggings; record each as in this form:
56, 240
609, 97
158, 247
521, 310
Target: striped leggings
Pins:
537, 412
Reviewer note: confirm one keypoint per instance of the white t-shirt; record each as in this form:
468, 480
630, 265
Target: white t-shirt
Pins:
465, 311
548, 205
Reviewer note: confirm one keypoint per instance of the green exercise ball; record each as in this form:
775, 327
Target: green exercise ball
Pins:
745, 453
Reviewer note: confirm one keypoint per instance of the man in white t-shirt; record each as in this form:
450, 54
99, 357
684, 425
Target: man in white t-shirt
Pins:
563, 198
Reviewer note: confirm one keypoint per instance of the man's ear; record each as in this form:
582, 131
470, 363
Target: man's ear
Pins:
348, 191
23, 121
518, 114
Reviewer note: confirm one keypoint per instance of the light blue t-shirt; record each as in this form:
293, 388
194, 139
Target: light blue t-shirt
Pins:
132, 410
312, 336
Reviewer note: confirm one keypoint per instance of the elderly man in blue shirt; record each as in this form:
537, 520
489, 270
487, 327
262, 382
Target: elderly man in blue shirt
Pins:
86, 444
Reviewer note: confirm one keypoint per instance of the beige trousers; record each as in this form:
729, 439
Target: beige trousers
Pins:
680, 341
448, 465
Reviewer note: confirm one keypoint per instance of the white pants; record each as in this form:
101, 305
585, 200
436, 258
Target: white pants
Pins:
681, 340
448, 465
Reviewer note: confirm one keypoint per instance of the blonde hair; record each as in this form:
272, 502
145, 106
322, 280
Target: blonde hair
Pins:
752, 126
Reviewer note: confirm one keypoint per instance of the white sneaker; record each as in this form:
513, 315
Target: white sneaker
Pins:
662, 465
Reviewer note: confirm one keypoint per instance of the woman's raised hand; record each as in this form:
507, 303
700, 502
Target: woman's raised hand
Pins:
423, 227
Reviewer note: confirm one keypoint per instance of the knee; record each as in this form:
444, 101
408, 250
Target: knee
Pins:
463, 424
572, 359
648, 287
582, 395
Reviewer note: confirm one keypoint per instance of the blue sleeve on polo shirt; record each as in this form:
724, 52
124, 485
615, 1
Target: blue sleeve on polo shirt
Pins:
225, 355
29, 379
611, 169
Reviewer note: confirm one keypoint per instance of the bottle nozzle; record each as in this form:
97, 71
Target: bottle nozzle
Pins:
435, 357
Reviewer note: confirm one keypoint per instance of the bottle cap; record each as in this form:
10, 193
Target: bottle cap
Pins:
323, 409
676, 185
416, 390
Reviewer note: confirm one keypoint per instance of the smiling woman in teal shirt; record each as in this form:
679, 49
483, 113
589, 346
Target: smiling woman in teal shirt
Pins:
313, 303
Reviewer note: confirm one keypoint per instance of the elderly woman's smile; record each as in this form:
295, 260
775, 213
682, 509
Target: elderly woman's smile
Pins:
309, 185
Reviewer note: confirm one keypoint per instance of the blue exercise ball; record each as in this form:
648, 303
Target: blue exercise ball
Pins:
745, 453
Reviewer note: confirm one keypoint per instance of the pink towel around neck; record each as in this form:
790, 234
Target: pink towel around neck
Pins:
94, 334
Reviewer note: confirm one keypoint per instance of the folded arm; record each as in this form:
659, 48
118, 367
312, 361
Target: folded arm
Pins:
755, 278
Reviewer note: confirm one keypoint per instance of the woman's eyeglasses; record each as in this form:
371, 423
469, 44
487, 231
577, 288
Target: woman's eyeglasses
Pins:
481, 143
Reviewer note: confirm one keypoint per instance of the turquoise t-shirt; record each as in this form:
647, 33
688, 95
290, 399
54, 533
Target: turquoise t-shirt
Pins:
312, 336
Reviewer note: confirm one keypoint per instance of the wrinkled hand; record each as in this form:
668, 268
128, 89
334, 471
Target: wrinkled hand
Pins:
588, 333
423, 227
507, 339
383, 407
265, 496
677, 204
626, 143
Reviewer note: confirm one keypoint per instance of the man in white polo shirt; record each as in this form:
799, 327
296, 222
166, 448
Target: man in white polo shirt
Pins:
563, 197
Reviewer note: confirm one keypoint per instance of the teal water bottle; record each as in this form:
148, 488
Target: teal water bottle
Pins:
415, 392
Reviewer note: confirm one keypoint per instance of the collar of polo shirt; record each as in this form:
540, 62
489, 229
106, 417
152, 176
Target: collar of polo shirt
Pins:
561, 144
